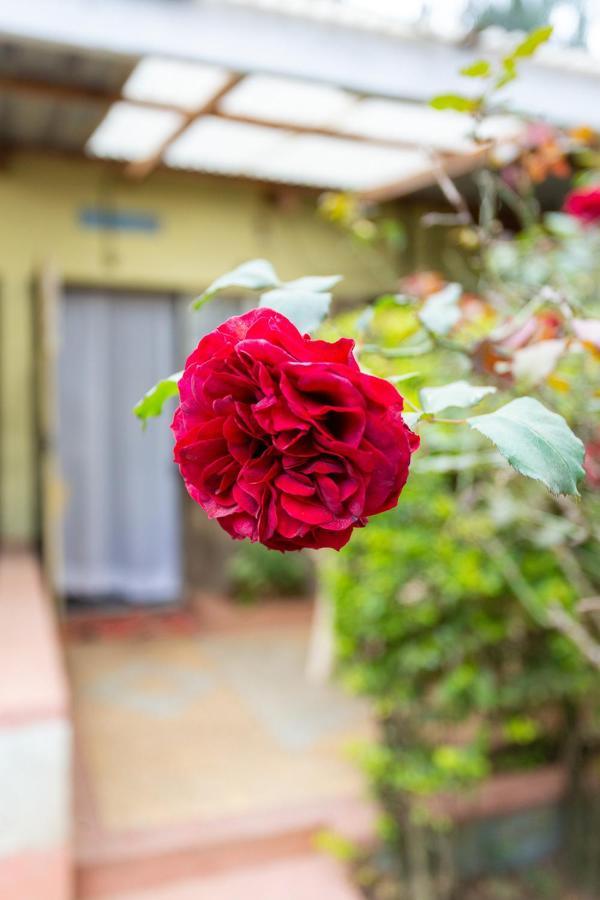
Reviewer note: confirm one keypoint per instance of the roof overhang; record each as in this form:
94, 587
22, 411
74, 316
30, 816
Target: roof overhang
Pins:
245, 40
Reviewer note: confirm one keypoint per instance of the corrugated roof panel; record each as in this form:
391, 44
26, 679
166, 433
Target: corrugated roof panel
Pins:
131, 132
233, 148
413, 123
226, 148
179, 83
287, 100
337, 163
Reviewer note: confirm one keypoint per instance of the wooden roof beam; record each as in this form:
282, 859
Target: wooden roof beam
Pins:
140, 169
452, 166
324, 131
75, 93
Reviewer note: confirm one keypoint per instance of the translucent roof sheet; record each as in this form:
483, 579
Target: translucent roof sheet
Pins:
231, 148
407, 123
130, 132
335, 162
187, 85
287, 100
308, 105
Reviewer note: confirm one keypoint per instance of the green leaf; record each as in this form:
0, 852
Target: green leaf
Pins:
562, 225
364, 321
153, 400
306, 309
536, 442
389, 301
530, 44
440, 312
479, 69
411, 418
316, 283
455, 462
255, 275
393, 233
458, 393
406, 376
509, 74
456, 102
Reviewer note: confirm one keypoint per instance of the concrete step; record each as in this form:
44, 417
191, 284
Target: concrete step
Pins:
305, 877
149, 871
114, 864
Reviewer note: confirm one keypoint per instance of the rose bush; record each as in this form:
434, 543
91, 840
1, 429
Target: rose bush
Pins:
282, 439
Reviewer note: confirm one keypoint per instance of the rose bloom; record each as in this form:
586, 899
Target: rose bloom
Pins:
282, 439
584, 204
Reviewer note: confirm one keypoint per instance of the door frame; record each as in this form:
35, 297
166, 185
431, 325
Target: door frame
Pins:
48, 292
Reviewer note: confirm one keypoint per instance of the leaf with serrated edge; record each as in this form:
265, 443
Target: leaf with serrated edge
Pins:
440, 312
536, 442
153, 400
456, 394
255, 275
306, 309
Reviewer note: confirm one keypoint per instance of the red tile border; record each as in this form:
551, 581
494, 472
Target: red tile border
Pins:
202, 614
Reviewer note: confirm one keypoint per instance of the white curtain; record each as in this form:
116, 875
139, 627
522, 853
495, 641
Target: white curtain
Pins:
122, 529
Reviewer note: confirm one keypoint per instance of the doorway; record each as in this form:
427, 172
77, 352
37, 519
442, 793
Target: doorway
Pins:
121, 540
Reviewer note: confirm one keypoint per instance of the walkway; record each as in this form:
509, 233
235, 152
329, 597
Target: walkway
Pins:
204, 753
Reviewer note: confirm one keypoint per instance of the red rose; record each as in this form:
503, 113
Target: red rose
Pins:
283, 439
584, 204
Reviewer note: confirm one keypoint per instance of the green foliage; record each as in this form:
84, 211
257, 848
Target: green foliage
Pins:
456, 102
255, 275
430, 626
536, 442
335, 845
153, 400
305, 301
255, 573
440, 312
557, 256
456, 394
503, 74
305, 308
480, 69
532, 42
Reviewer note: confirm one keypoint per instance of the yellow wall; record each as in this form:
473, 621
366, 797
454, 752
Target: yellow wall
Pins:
206, 228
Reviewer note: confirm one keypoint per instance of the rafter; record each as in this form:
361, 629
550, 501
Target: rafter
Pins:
453, 165
76, 93
321, 131
142, 168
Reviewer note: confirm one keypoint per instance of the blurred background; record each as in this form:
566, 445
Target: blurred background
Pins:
182, 717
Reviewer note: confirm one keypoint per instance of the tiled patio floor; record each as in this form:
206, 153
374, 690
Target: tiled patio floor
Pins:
186, 733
